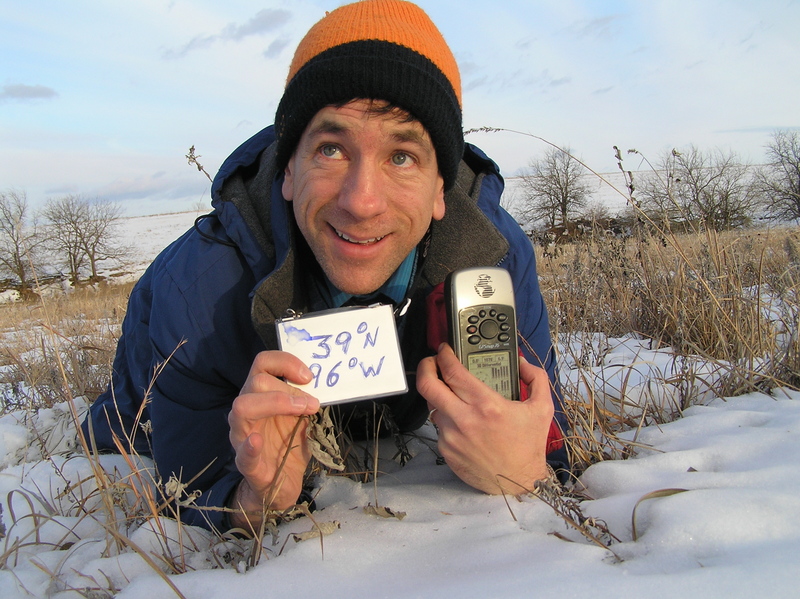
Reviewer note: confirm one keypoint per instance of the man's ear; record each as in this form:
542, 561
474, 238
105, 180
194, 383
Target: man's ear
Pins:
438, 202
288, 181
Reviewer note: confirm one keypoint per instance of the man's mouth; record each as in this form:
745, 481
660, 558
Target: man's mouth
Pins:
358, 241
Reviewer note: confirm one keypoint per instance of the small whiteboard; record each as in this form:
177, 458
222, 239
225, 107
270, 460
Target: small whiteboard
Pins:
353, 353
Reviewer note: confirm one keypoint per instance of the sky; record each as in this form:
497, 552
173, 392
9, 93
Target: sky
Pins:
104, 99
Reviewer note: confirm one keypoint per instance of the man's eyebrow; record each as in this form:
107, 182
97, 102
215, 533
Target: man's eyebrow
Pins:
328, 126
412, 136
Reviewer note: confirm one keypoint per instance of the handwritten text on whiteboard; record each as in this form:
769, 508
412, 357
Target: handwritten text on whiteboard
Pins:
353, 353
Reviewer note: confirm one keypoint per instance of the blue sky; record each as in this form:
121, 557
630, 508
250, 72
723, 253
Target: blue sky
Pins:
105, 98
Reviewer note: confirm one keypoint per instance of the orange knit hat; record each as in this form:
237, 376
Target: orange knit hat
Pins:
376, 49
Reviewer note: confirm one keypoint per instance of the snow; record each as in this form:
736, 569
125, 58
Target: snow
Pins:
726, 530
148, 235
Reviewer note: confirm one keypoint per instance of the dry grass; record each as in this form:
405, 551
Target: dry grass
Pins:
57, 352
727, 301
82, 328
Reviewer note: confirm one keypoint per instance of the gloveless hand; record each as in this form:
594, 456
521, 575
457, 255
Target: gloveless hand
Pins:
491, 443
268, 436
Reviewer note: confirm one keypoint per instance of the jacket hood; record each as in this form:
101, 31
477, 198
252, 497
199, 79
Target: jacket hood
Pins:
248, 203
246, 155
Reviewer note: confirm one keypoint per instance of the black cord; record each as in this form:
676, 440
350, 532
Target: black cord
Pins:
211, 237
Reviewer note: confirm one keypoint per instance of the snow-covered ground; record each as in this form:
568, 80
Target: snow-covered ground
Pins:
148, 235
714, 495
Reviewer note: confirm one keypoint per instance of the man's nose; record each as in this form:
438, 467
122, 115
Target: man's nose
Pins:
362, 194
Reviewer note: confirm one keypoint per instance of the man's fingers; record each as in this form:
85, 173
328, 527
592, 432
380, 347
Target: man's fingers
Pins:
457, 377
253, 445
269, 365
265, 394
248, 453
264, 398
257, 406
536, 378
540, 394
446, 383
431, 387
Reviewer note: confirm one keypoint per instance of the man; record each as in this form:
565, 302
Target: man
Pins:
363, 188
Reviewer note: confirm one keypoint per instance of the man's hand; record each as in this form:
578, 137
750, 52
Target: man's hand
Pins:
491, 443
265, 423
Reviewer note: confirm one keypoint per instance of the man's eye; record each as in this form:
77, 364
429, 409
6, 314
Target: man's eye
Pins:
402, 159
329, 151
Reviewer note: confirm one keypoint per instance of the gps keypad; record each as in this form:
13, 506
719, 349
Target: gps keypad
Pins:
486, 324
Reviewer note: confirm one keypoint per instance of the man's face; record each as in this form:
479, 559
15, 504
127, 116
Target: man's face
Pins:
364, 188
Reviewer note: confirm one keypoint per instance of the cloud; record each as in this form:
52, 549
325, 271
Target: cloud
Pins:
597, 28
196, 43
468, 67
275, 48
475, 83
62, 190
150, 185
262, 22
560, 81
26, 93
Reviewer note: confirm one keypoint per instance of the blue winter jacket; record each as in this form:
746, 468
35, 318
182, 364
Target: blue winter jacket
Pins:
207, 304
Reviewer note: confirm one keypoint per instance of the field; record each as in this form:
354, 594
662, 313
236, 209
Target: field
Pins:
679, 361
724, 305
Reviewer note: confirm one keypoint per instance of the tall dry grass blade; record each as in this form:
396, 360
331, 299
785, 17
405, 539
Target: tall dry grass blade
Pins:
651, 495
125, 541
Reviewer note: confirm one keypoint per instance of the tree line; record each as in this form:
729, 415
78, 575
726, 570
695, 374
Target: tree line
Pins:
68, 239
688, 189
72, 235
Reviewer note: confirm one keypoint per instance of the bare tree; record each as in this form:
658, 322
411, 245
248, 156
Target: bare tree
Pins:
99, 239
19, 241
711, 189
779, 179
82, 234
554, 190
65, 217
657, 193
595, 211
